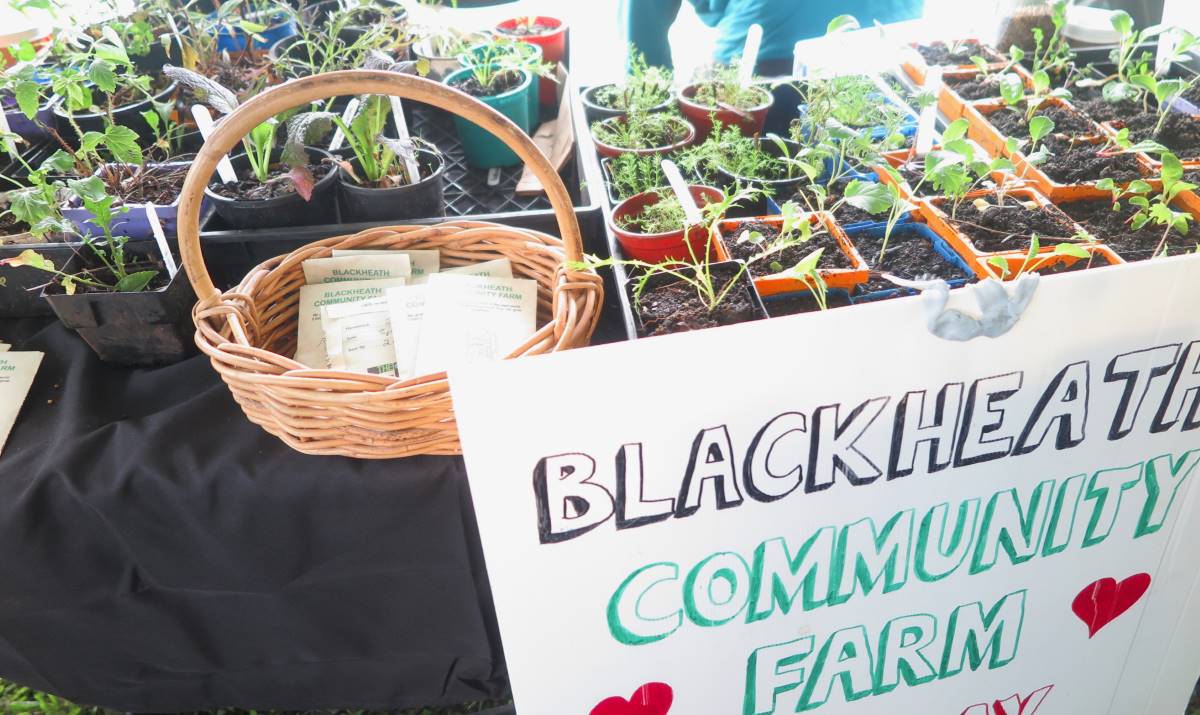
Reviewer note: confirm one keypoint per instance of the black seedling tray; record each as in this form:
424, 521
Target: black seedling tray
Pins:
232, 253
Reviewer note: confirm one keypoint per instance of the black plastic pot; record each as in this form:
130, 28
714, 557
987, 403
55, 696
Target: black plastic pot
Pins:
596, 111
21, 294
282, 211
133, 329
152, 62
128, 115
720, 271
420, 200
773, 187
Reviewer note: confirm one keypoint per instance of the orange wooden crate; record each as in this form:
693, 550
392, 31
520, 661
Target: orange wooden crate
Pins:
846, 278
916, 67
939, 221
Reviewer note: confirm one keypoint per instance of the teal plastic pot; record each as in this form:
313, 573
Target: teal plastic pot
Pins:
484, 150
534, 54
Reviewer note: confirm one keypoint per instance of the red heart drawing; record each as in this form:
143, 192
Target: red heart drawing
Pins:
650, 699
1100, 602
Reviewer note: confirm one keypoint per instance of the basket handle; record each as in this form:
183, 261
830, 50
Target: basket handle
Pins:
351, 82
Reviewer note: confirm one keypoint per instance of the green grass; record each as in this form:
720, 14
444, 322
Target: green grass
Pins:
17, 700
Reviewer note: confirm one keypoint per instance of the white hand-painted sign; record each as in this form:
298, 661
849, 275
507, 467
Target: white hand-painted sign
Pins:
842, 513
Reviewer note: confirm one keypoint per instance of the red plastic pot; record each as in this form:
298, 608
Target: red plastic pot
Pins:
658, 247
553, 43
612, 151
749, 121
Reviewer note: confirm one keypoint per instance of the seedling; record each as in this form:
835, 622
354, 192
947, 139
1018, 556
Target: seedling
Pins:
1164, 92
260, 142
1012, 91
379, 156
632, 174
697, 273
1054, 55
495, 59
641, 130
1035, 260
109, 250
723, 88
958, 167
643, 88
1157, 210
36, 201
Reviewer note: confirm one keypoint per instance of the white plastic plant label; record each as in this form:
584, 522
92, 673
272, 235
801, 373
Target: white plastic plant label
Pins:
883, 522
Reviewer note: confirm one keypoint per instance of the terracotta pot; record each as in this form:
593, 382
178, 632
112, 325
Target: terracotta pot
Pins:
669, 245
608, 150
749, 121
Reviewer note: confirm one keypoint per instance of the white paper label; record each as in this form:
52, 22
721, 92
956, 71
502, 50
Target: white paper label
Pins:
358, 336
407, 307
471, 319
310, 340
16, 377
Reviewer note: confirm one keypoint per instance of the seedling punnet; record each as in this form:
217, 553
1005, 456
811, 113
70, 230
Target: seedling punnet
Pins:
919, 432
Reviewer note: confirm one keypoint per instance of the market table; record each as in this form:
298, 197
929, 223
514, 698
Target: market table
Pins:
159, 553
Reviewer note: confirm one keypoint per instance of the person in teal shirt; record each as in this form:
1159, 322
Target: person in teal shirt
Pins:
784, 23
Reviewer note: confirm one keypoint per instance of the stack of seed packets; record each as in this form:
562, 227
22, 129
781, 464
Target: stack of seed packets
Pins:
461, 316
342, 279
394, 313
16, 377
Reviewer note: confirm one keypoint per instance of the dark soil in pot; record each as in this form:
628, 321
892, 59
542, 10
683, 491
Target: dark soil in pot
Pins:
1009, 227
504, 82
669, 305
1112, 227
805, 302
960, 53
249, 204
1013, 123
832, 257
242, 73
10, 226
907, 256
278, 184
976, 87
1091, 102
1080, 163
1180, 132
154, 184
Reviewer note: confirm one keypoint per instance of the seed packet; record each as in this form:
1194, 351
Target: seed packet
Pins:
358, 336
471, 319
424, 261
407, 307
343, 269
310, 339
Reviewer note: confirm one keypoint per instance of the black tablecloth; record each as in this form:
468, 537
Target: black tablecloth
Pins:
158, 553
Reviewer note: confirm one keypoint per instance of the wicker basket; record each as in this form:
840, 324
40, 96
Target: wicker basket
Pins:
250, 332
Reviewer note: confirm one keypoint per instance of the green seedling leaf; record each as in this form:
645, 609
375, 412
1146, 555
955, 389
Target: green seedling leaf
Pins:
30, 258
1040, 127
28, 95
1122, 22
122, 142
842, 23
955, 131
102, 75
1071, 249
1041, 82
870, 196
89, 189
135, 282
1012, 89
205, 89
60, 162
